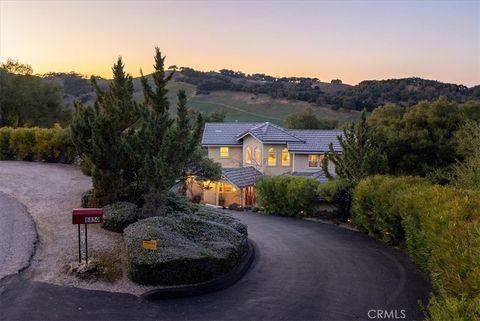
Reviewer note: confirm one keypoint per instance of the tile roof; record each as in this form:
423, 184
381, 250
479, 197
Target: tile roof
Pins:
222, 134
318, 175
314, 140
297, 140
241, 176
270, 133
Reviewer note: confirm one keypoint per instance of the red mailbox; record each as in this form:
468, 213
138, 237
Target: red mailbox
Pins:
87, 215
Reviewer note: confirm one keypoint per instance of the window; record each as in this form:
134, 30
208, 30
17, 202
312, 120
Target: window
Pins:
272, 157
258, 156
312, 160
285, 157
315, 160
225, 188
224, 152
248, 155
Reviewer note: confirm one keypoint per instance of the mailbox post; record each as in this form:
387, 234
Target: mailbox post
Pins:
86, 216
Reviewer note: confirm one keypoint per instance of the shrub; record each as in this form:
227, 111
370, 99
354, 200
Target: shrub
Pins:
339, 192
191, 248
440, 229
119, 215
86, 198
374, 207
23, 143
6, 151
40, 144
287, 195
235, 207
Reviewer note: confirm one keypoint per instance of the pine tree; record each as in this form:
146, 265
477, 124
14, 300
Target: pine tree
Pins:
98, 135
163, 145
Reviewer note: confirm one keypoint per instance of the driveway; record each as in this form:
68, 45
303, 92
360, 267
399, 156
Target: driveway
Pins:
303, 271
17, 236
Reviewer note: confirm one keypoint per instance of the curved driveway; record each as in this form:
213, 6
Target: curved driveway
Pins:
17, 236
303, 271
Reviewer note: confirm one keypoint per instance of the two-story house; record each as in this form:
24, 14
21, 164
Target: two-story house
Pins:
249, 150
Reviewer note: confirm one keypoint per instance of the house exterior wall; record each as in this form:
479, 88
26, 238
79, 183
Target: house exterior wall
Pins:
278, 169
253, 143
232, 161
209, 196
301, 164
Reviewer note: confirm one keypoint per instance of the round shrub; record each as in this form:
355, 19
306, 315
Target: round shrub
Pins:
119, 215
191, 248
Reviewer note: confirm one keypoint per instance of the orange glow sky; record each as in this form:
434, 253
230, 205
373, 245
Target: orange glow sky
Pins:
349, 40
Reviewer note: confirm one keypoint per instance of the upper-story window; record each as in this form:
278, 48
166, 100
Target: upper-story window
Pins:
312, 160
258, 155
272, 157
285, 157
248, 155
315, 160
224, 152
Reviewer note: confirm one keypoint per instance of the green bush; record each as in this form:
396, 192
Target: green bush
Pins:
6, 151
191, 248
287, 195
23, 143
37, 144
339, 192
440, 229
119, 215
87, 199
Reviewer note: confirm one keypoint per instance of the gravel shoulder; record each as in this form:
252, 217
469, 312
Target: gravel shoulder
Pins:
17, 236
49, 192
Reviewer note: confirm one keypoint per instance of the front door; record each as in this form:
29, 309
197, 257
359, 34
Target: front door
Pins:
250, 196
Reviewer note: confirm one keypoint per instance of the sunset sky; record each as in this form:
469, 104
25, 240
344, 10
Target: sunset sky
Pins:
350, 40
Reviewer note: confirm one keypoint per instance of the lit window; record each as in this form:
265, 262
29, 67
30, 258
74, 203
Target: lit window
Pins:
285, 157
224, 152
225, 188
272, 157
258, 156
248, 155
312, 160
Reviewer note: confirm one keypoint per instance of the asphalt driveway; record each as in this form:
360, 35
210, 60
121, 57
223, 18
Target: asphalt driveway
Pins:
303, 271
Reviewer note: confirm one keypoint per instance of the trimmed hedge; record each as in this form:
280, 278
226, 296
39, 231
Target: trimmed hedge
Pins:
37, 144
440, 229
119, 215
287, 195
192, 248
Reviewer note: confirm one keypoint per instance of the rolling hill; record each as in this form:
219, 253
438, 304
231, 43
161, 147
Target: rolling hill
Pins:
239, 106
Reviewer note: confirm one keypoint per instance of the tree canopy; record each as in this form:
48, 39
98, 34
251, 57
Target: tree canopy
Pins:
27, 100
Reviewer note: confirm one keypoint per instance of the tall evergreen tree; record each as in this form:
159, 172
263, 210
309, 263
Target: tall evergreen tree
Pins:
163, 145
361, 153
98, 135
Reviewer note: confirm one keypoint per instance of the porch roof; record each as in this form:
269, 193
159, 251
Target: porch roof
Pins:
241, 176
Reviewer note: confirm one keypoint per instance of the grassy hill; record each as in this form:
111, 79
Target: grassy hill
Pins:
239, 106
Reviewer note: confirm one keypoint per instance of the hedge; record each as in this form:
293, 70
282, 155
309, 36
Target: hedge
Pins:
438, 226
37, 144
287, 195
119, 215
191, 248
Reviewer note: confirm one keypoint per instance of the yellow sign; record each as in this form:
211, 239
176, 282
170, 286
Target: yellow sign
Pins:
150, 245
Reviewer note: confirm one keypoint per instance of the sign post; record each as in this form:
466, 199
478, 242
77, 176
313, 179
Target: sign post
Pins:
86, 216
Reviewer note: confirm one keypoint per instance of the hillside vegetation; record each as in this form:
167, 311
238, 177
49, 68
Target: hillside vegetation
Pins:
238, 105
